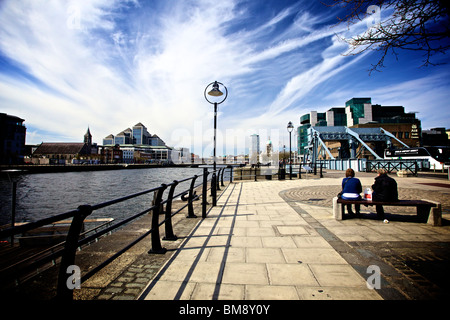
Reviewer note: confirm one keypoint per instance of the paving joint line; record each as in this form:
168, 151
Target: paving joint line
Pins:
348, 253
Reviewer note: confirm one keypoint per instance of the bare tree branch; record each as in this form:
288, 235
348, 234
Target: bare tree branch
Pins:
421, 25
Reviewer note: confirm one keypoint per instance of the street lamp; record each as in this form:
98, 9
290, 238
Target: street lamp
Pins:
216, 98
290, 127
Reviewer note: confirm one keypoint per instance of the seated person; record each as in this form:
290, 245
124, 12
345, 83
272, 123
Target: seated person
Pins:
384, 189
351, 189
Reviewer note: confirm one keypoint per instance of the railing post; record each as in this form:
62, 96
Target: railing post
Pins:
13, 209
300, 170
213, 190
231, 174
156, 241
168, 215
217, 179
204, 192
191, 199
221, 177
321, 174
64, 291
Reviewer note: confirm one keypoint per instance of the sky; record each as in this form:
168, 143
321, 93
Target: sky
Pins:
107, 65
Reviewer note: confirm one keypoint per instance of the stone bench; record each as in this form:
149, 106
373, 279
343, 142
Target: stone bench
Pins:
430, 211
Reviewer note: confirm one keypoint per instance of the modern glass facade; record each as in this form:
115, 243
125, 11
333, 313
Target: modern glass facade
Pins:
359, 112
109, 140
141, 135
137, 134
357, 107
138, 145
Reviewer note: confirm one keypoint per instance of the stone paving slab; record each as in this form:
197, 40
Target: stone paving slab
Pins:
278, 240
256, 246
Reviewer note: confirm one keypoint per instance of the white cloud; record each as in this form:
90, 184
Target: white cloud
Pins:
111, 64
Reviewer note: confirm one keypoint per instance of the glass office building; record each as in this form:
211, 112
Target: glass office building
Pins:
360, 112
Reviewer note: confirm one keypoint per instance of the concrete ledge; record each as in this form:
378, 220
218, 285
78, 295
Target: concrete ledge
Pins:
337, 211
435, 214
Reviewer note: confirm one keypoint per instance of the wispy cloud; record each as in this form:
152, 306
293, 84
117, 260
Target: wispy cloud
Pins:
111, 64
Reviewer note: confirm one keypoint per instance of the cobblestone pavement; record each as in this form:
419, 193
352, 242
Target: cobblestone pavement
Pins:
321, 196
414, 270
419, 269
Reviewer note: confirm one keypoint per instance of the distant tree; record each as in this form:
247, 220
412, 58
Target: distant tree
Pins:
418, 25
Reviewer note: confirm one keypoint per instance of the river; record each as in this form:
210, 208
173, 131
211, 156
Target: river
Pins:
43, 195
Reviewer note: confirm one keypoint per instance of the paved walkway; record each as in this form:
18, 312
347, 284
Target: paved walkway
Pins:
257, 245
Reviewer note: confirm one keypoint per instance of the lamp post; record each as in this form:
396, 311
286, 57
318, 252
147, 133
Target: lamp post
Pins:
216, 99
290, 127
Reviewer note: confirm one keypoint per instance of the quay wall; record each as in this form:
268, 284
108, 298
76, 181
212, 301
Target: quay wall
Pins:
81, 167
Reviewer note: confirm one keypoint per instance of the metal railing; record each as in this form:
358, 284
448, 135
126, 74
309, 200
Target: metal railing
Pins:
67, 249
365, 165
255, 173
412, 166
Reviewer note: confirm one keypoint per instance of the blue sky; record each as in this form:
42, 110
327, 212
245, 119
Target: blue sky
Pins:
67, 65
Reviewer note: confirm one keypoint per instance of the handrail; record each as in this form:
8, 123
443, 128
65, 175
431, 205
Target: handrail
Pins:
67, 249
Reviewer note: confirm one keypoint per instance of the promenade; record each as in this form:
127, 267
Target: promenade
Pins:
278, 240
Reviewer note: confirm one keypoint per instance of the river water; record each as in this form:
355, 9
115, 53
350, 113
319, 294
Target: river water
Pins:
43, 195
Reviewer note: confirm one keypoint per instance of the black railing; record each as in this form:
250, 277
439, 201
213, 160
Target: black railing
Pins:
396, 165
66, 250
281, 172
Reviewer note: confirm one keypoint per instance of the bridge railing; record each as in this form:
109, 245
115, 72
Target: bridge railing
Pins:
75, 239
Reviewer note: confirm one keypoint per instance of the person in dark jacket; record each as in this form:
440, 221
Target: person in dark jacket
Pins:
384, 189
351, 189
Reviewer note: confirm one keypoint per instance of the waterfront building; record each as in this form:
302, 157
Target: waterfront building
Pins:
60, 152
109, 140
361, 113
12, 139
181, 155
124, 137
255, 150
139, 146
111, 154
141, 135
66, 152
435, 137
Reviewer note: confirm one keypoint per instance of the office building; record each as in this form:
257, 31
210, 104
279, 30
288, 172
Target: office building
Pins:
138, 145
361, 113
12, 139
255, 150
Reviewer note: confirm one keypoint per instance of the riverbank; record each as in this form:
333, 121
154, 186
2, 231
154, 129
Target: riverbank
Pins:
29, 169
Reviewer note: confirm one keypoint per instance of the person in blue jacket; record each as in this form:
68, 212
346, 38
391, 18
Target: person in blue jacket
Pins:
351, 189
